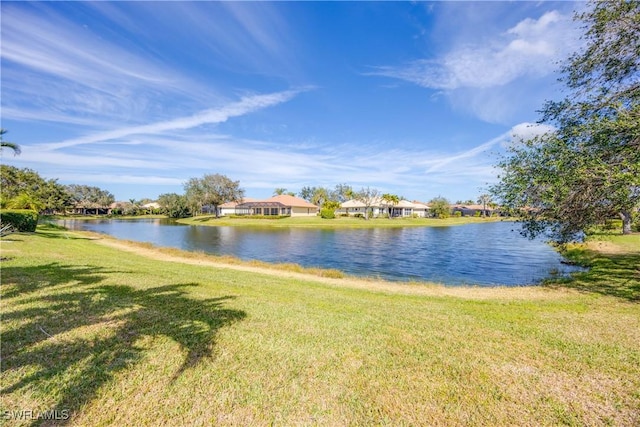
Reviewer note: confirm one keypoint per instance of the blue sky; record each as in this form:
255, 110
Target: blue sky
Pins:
412, 98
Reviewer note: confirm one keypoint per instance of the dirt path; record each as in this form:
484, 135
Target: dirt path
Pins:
508, 293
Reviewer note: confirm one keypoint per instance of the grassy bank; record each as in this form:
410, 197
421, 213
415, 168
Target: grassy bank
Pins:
339, 222
116, 337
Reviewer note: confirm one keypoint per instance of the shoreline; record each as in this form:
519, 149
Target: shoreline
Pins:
319, 275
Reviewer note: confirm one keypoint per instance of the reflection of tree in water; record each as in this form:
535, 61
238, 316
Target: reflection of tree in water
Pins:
75, 298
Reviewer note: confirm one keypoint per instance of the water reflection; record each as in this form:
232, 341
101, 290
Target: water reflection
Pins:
480, 254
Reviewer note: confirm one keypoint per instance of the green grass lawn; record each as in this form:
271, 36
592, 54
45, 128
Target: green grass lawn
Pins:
117, 338
339, 222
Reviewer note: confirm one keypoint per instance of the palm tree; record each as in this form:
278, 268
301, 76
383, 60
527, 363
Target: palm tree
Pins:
484, 200
390, 200
3, 143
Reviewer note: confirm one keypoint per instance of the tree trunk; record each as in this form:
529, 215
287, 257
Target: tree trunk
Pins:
626, 222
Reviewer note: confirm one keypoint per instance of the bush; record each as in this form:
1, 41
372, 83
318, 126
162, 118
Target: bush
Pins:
20, 219
327, 213
613, 224
457, 214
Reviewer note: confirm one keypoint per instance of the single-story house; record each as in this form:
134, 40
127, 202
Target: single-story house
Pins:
472, 210
229, 208
282, 205
379, 207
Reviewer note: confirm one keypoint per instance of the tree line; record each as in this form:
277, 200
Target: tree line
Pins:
26, 189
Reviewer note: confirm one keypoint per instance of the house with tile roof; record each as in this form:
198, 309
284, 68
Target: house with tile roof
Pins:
380, 207
281, 205
472, 209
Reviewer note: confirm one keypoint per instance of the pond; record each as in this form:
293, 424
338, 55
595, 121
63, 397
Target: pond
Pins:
485, 254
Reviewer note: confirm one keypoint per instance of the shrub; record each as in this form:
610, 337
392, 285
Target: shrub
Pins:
327, 213
457, 214
20, 219
613, 224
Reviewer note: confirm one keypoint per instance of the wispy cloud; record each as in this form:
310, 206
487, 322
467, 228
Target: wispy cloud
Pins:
246, 105
172, 159
531, 48
492, 77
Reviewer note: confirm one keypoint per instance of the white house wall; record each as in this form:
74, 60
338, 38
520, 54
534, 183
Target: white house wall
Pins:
299, 211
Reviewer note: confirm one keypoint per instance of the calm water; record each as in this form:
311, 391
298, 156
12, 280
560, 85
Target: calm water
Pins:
481, 254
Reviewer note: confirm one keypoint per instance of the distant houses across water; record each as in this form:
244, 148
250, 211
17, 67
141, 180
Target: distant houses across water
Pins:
287, 205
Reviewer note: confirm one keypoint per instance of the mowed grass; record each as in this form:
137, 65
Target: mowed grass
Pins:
123, 339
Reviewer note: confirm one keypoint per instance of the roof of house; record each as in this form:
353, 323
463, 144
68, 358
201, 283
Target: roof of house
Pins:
234, 204
381, 203
282, 201
420, 205
473, 207
352, 204
292, 201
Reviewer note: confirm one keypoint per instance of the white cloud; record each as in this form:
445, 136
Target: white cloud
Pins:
246, 105
531, 48
500, 77
526, 131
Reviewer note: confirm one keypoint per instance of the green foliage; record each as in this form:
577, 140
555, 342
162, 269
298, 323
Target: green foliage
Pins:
174, 205
457, 214
15, 147
327, 213
20, 219
46, 194
26, 201
213, 190
612, 224
588, 169
86, 196
331, 204
440, 207
390, 200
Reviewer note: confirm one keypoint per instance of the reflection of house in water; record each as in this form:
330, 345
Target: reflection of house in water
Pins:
282, 205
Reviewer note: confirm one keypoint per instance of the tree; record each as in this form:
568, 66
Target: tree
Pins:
15, 182
390, 200
89, 197
588, 168
440, 207
484, 200
26, 201
342, 193
279, 191
174, 205
212, 190
306, 193
3, 143
368, 196
320, 196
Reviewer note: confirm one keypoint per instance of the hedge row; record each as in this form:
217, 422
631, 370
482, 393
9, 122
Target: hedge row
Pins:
20, 219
